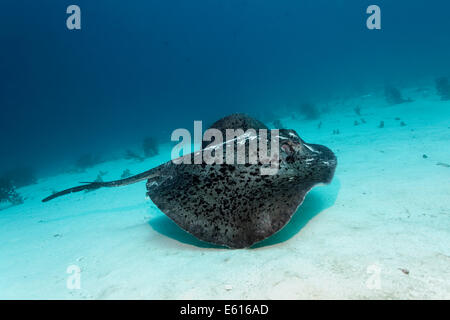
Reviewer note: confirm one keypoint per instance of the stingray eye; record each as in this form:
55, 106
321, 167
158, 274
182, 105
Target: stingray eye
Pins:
288, 149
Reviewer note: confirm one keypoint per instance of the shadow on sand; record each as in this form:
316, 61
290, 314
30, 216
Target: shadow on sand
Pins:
316, 201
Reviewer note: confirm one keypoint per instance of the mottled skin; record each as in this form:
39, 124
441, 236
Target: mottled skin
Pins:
235, 121
234, 205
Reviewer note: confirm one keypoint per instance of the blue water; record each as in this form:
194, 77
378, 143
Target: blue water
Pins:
149, 67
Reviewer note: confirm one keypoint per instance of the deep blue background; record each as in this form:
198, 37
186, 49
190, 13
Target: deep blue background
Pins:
147, 67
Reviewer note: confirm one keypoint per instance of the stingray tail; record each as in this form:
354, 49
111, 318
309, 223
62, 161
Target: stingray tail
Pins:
96, 185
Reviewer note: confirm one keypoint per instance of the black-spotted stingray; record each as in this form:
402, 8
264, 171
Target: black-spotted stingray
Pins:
234, 204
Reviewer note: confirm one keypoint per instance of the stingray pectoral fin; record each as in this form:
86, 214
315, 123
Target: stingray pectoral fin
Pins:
96, 185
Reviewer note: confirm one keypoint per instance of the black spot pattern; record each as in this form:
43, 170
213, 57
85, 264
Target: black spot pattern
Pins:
234, 205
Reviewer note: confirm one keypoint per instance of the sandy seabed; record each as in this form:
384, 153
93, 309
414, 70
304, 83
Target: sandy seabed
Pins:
380, 230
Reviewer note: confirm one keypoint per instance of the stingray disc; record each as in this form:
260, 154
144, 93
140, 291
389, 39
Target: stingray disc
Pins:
233, 204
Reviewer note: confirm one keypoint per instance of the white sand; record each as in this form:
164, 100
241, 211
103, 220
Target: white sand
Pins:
387, 209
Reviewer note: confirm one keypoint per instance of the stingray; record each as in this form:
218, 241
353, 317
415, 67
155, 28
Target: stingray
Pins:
233, 205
